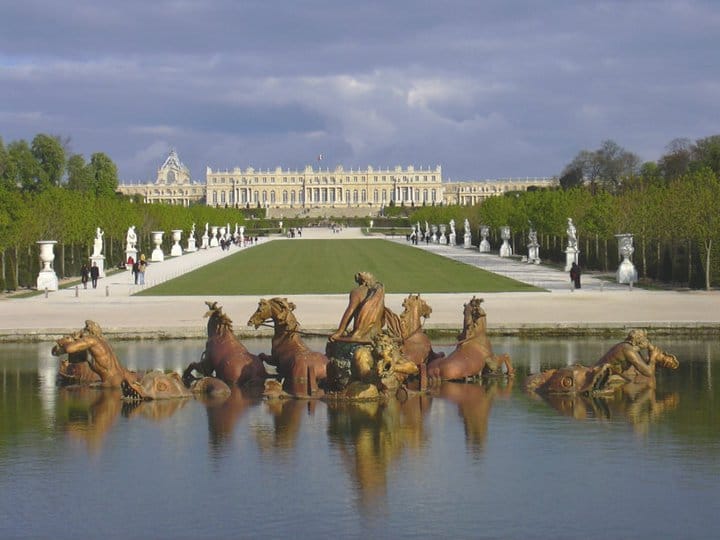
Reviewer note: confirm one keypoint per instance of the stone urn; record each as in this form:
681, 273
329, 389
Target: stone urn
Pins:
157, 253
176, 249
47, 279
213, 236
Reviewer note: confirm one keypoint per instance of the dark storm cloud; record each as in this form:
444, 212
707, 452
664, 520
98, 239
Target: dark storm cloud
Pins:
485, 89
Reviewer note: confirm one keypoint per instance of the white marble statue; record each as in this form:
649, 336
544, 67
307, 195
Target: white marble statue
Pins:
98, 242
484, 246
572, 253
572, 234
130, 239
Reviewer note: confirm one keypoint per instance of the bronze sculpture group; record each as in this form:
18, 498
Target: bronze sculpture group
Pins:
374, 353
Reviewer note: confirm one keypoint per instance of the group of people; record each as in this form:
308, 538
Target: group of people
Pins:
91, 274
138, 269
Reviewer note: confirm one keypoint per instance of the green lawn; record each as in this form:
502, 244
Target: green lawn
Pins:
329, 266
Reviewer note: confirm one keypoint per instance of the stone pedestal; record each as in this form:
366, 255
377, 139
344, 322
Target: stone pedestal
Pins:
571, 256
191, 244
205, 241
99, 261
534, 254
131, 253
176, 249
467, 241
627, 273
157, 254
47, 279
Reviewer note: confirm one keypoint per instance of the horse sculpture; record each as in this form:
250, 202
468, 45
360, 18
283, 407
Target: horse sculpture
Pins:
224, 355
407, 327
473, 354
299, 367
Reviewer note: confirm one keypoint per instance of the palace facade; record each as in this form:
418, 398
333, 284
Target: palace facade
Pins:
173, 185
324, 188
310, 191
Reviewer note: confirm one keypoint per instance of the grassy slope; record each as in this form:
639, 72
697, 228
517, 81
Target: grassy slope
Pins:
329, 266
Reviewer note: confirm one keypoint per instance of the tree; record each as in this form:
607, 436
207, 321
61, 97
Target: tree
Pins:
79, 174
605, 167
697, 196
707, 154
23, 169
50, 155
677, 158
572, 176
104, 175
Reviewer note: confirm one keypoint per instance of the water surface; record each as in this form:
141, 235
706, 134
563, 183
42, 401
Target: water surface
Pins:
470, 461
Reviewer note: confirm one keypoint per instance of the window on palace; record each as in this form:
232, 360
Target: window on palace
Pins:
214, 197
425, 197
222, 197
355, 196
384, 196
433, 195
417, 178
264, 196
331, 193
292, 197
285, 197
376, 196
272, 197
363, 196
347, 196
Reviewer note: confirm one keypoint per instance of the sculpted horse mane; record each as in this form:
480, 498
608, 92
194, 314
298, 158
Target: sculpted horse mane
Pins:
473, 354
407, 328
225, 356
295, 362
219, 324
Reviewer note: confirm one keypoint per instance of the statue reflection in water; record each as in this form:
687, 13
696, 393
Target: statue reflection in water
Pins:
88, 415
639, 405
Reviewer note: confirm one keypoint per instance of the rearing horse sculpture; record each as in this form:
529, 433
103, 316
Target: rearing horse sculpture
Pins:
224, 355
294, 360
473, 354
407, 327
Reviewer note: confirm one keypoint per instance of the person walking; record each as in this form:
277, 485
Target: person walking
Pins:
575, 275
142, 266
84, 274
94, 274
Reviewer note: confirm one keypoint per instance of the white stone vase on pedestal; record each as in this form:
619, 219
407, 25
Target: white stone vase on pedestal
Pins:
443, 238
434, 234
213, 236
157, 253
626, 273
484, 246
506, 248
467, 240
47, 279
176, 249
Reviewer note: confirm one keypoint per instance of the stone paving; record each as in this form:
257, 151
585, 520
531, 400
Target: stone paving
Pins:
598, 306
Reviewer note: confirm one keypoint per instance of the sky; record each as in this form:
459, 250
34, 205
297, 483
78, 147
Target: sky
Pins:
484, 88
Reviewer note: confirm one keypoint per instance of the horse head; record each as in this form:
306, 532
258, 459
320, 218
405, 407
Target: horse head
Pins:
473, 318
415, 310
218, 322
262, 313
277, 309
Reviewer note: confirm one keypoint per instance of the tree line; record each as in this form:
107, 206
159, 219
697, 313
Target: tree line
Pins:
672, 207
46, 195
